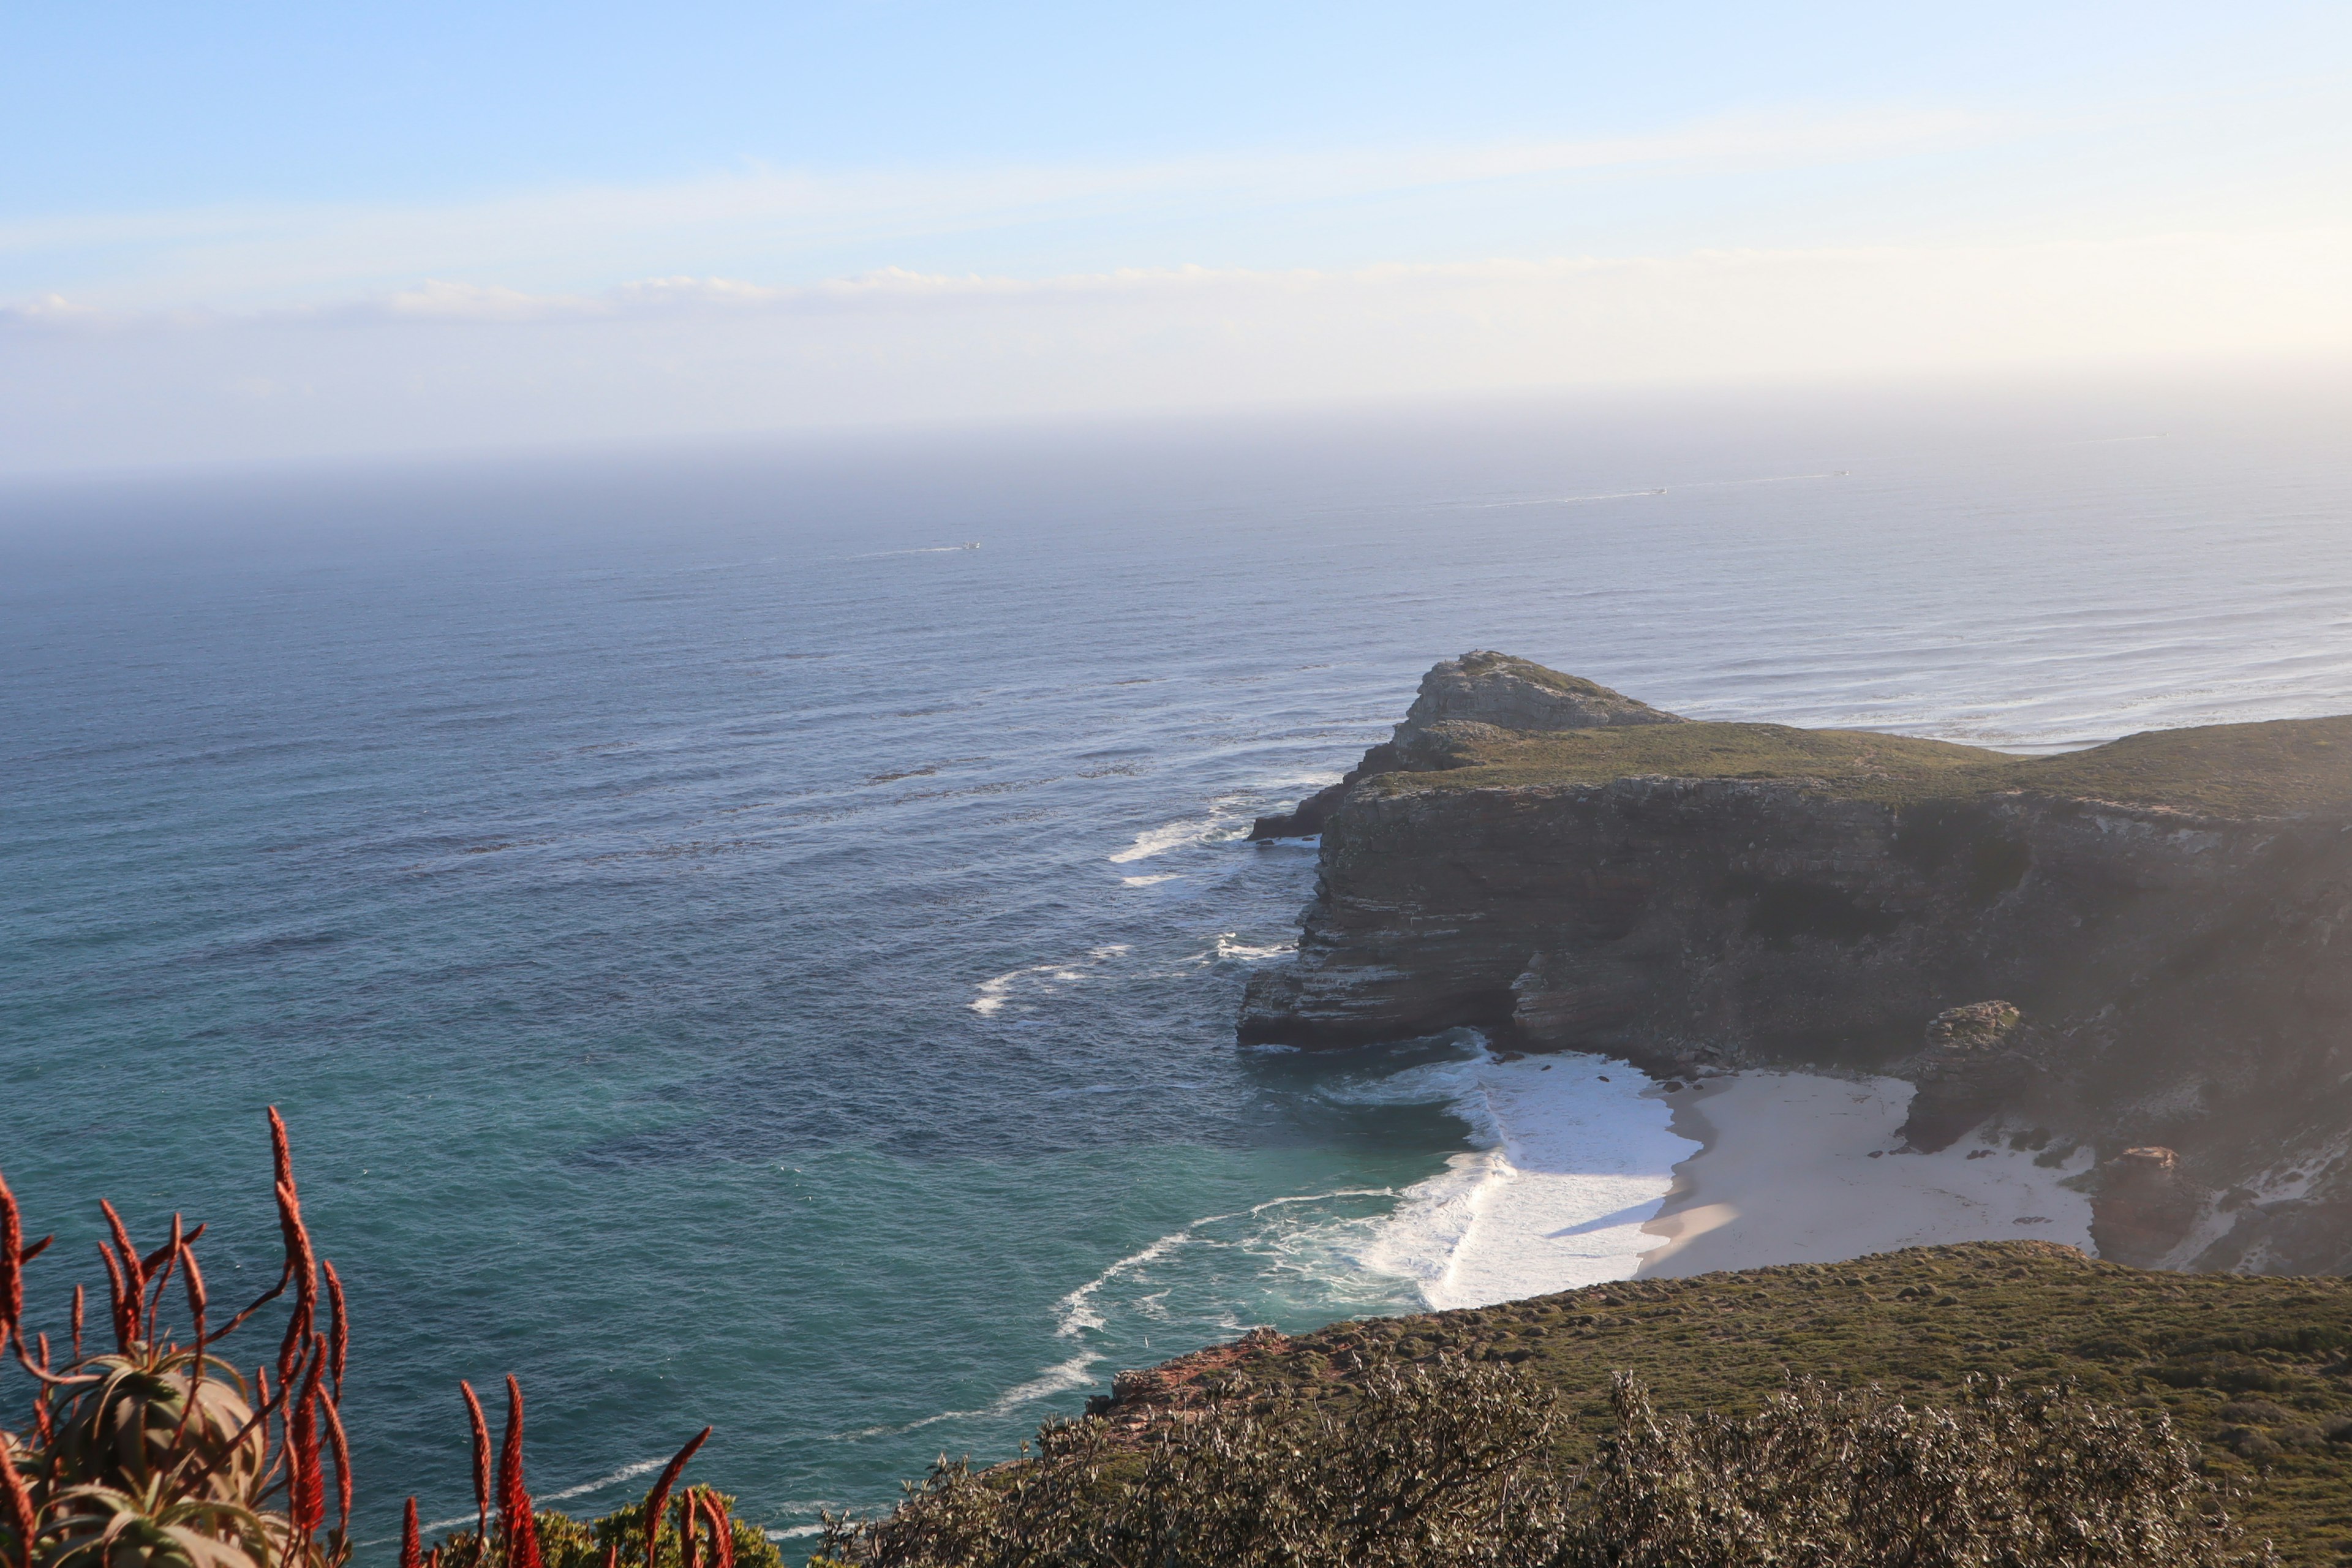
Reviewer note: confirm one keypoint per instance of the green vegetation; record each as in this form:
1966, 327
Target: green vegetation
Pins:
1454, 1465
2287, 767
2254, 1370
568, 1542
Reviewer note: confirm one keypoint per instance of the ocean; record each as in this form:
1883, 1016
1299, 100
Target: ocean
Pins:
751, 935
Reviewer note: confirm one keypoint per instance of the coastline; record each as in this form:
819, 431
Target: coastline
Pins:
1575, 1153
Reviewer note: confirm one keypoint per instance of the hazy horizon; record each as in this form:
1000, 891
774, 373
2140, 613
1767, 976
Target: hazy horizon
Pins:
282, 236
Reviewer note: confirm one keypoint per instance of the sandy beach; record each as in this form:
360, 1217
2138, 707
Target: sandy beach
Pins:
1800, 1168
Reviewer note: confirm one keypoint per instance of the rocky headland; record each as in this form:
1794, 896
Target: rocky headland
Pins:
2127, 949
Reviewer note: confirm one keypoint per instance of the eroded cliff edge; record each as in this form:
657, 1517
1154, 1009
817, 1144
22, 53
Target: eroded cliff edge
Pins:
1593, 874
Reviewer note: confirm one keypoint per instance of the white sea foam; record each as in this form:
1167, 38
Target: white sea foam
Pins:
626, 1473
1148, 881
1172, 836
1571, 1160
1044, 978
1077, 1315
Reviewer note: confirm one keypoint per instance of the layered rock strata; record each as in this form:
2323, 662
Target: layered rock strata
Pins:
2158, 916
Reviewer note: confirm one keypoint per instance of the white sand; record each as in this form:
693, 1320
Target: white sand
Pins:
1786, 1175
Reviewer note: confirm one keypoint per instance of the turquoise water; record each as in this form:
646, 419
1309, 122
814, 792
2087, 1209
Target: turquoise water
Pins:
729, 953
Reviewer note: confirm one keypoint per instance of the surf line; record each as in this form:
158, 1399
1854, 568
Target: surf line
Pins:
1075, 1316
626, 1473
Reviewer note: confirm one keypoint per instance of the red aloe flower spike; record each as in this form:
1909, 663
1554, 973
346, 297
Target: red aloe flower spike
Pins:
723, 1530
687, 1518
12, 1265
301, 1265
307, 1499
343, 1449
340, 1329
521, 1532
131, 1267
147, 1264
77, 1325
412, 1546
21, 1517
41, 1400
613, 1555
524, 1553
119, 1309
481, 1470
168, 1255
192, 1278
660, 1494
193, 1281
281, 1156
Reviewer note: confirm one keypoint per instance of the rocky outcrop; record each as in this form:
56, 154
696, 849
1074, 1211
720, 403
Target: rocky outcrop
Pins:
2142, 1206
2158, 916
1461, 702
1976, 1061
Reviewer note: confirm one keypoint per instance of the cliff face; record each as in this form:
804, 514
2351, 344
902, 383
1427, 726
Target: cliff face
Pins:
2165, 959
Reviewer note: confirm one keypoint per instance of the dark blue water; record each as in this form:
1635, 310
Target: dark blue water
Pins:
729, 954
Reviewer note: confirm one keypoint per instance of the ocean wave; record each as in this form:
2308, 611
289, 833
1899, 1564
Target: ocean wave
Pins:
1161, 839
1568, 1162
628, 1472
1059, 1378
1228, 820
1045, 978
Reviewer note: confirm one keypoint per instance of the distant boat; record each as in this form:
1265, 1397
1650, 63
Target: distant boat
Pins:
974, 545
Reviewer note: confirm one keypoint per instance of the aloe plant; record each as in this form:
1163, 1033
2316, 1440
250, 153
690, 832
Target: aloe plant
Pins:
160, 1453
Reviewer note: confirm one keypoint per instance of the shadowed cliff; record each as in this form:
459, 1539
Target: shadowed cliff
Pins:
2156, 916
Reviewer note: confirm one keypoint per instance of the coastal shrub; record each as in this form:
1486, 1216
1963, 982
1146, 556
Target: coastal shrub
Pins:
159, 1451
1456, 1465
620, 1536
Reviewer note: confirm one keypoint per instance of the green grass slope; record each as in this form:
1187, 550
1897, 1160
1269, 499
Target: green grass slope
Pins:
2284, 768
2254, 1368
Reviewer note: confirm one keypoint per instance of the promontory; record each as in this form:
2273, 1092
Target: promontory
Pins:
2129, 948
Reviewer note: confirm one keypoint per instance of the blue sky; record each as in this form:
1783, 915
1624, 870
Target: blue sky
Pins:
440, 195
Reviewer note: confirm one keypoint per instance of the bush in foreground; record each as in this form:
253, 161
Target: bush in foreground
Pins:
1458, 1466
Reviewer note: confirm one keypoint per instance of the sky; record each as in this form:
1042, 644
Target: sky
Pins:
268, 231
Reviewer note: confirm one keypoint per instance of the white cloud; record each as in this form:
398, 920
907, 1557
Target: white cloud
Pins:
443, 366
591, 237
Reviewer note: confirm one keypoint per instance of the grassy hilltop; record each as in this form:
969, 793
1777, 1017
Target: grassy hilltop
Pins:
2256, 1370
2286, 767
